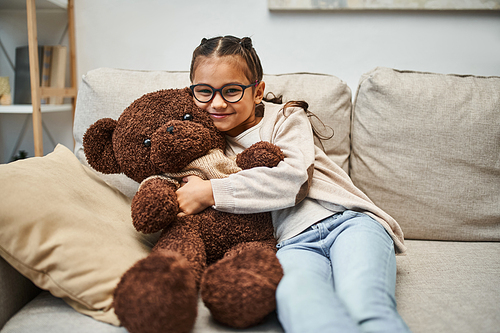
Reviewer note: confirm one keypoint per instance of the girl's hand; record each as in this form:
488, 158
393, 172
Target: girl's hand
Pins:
194, 195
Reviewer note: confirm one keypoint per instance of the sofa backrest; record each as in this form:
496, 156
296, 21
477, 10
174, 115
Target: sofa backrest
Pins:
426, 149
106, 92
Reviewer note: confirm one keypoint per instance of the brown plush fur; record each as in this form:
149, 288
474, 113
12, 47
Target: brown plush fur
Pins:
231, 258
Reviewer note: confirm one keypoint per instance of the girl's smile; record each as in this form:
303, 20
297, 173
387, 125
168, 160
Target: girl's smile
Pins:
230, 118
220, 115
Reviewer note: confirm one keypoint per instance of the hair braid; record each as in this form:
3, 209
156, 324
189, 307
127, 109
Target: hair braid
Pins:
230, 46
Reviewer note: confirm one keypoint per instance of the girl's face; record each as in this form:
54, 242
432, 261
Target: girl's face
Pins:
230, 118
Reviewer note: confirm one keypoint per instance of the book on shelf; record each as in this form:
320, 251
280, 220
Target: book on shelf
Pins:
52, 62
58, 71
45, 69
22, 87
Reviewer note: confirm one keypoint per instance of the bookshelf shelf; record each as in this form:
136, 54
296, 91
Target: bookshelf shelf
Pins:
40, 4
28, 108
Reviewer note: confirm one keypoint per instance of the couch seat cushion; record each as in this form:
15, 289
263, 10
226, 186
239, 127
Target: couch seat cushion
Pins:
449, 286
48, 314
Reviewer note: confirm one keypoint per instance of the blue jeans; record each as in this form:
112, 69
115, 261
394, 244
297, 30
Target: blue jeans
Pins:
339, 276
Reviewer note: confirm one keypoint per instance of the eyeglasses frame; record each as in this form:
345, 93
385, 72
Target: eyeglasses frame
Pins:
214, 91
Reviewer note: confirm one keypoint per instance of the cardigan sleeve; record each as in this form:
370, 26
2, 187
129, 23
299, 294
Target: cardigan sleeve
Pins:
267, 189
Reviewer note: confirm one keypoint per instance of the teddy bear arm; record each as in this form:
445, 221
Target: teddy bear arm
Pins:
260, 154
154, 206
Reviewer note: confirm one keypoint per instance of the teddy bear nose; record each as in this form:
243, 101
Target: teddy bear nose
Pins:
170, 129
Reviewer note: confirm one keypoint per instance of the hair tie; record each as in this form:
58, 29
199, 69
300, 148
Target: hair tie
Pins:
246, 42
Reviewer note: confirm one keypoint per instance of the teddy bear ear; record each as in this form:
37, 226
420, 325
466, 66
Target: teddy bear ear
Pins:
98, 146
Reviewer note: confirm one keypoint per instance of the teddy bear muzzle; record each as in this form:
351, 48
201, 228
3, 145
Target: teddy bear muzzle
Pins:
177, 143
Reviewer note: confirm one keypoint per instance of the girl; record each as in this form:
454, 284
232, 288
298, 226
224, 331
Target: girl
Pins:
336, 247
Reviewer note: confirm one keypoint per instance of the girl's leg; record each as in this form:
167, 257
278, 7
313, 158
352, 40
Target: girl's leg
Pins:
306, 301
364, 269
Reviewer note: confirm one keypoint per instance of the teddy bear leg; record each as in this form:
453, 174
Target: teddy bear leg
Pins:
239, 290
182, 237
158, 294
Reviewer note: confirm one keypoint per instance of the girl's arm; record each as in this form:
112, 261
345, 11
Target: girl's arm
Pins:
266, 189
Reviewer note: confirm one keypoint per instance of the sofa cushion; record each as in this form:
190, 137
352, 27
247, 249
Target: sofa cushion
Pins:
48, 314
329, 99
445, 286
66, 230
425, 148
106, 92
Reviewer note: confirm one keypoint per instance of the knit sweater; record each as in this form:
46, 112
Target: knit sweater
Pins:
212, 165
303, 189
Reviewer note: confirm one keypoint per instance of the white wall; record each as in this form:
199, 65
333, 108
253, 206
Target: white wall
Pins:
161, 34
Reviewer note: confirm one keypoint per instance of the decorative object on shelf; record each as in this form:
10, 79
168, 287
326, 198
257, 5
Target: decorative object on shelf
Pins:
23, 154
5, 96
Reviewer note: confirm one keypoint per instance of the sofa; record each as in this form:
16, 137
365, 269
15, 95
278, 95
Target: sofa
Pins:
425, 147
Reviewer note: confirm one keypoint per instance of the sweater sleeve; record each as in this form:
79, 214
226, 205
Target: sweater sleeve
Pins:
267, 189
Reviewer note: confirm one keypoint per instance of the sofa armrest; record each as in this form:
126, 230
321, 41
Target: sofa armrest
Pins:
15, 291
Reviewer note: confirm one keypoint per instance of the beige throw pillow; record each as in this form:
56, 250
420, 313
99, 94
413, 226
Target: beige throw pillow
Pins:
66, 230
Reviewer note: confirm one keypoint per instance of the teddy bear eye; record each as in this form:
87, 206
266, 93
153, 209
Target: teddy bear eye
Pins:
187, 116
147, 143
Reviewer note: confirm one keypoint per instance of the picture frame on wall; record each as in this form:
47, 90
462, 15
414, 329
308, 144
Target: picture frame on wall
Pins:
383, 5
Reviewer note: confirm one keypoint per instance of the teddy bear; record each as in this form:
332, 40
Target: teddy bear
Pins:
229, 259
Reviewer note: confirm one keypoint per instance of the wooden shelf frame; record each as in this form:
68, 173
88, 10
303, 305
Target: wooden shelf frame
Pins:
38, 92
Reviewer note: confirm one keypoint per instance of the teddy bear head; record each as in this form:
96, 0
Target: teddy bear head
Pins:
160, 132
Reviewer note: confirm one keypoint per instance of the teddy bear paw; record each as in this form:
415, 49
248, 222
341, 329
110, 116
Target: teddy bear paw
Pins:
260, 154
154, 206
158, 292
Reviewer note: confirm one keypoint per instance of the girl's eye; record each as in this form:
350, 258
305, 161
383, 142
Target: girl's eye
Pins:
233, 91
204, 92
188, 117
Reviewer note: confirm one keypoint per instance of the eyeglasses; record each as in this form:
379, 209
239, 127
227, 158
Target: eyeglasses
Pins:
231, 93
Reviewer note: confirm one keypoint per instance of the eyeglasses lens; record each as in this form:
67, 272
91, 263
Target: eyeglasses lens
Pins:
232, 93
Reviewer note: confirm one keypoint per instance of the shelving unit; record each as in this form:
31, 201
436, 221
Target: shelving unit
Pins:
37, 92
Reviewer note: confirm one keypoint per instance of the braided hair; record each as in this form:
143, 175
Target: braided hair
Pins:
229, 46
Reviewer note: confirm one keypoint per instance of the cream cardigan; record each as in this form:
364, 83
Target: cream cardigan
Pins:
303, 189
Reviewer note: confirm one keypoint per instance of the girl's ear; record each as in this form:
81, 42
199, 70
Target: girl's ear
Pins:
259, 92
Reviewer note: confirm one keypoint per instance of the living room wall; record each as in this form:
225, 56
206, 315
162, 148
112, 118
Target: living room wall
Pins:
155, 34
161, 35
